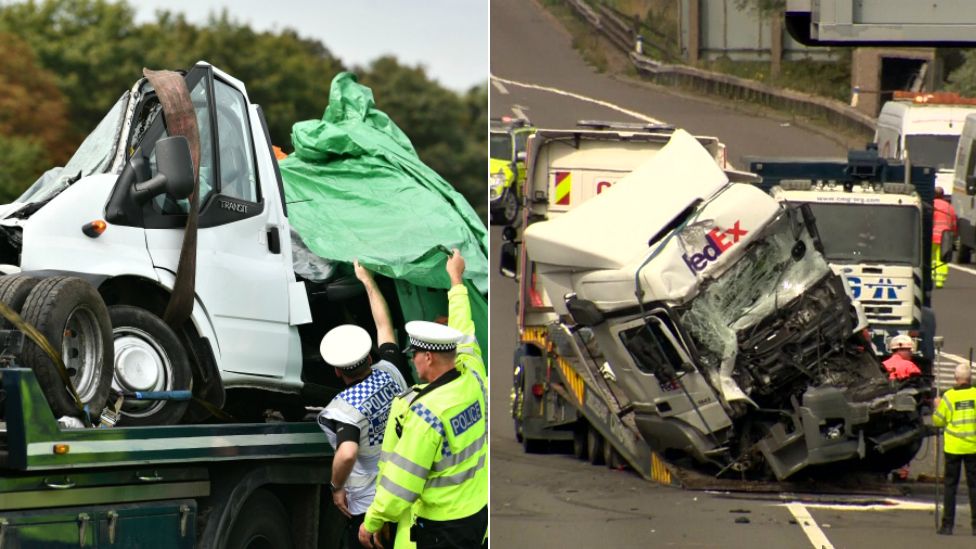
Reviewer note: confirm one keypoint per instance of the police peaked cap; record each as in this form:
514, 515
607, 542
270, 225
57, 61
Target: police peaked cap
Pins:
431, 336
346, 347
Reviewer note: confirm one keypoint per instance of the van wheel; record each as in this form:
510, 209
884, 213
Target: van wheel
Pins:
148, 357
594, 446
74, 319
507, 210
261, 524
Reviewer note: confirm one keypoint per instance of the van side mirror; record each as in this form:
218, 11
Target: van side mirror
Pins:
971, 184
509, 233
174, 172
508, 262
945, 251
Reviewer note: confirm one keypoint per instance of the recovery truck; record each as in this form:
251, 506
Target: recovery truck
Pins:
101, 257
674, 318
243, 486
875, 222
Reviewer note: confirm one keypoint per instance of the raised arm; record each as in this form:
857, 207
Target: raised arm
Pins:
377, 304
459, 315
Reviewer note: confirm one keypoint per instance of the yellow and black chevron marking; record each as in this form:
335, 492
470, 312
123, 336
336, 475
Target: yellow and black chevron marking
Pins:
659, 470
535, 335
572, 378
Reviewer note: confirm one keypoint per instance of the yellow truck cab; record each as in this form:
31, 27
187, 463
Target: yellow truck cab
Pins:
506, 167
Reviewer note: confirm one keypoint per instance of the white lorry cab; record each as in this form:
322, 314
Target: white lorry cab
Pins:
964, 187
923, 129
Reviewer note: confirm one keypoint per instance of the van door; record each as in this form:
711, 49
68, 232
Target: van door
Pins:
241, 276
666, 374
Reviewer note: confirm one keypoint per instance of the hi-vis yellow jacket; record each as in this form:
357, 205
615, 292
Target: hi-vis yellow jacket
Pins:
957, 414
435, 448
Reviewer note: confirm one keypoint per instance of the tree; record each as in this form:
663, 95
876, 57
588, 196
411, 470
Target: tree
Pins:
963, 79
91, 45
33, 119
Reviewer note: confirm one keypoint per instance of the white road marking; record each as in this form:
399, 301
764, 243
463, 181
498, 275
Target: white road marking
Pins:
810, 528
518, 112
969, 270
956, 358
498, 86
888, 505
557, 91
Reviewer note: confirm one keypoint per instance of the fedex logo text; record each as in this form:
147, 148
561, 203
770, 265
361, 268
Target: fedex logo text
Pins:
718, 242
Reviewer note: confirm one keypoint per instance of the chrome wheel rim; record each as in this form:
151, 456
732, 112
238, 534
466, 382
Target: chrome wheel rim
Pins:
82, 352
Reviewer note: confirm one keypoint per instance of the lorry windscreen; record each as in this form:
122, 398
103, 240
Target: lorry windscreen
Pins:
855, 233
500, 146
770, 274
93, 156
934, 151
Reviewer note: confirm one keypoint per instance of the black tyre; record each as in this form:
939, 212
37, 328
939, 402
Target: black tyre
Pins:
508, 208
518, 430
579, 439
148, 357
74, 319
594, 446
261, 524
14, 290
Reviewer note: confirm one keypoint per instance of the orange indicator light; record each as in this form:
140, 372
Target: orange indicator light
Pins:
94, 228
61, 449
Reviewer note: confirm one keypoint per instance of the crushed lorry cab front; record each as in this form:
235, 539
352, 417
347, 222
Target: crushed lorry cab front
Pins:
721, 321
873, 235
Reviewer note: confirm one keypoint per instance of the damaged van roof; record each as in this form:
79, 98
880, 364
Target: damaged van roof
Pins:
609, 230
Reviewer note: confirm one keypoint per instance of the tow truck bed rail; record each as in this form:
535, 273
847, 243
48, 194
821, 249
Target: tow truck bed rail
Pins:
33, 440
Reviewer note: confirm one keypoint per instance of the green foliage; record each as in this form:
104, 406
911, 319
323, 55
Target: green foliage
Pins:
30, 102
825, 78
963, 79
91, 45
766, 8
22, 159
92, 50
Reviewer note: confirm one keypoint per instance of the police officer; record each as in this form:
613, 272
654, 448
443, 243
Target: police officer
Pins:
956, 413
435, 451
355, 420
900, 365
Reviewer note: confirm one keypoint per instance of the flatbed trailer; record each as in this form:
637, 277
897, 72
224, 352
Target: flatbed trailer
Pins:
181, 486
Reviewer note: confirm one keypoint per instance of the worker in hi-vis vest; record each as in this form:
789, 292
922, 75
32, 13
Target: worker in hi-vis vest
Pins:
956, 413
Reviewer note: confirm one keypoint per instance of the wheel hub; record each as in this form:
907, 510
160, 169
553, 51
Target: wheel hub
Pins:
141, 364
136, 366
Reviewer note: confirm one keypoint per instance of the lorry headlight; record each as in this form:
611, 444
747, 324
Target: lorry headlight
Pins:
496, 185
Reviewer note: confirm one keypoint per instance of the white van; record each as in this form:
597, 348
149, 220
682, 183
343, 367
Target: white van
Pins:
924, 129
964, 185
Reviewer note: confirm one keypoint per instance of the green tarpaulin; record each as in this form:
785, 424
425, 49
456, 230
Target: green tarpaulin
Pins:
355, 188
